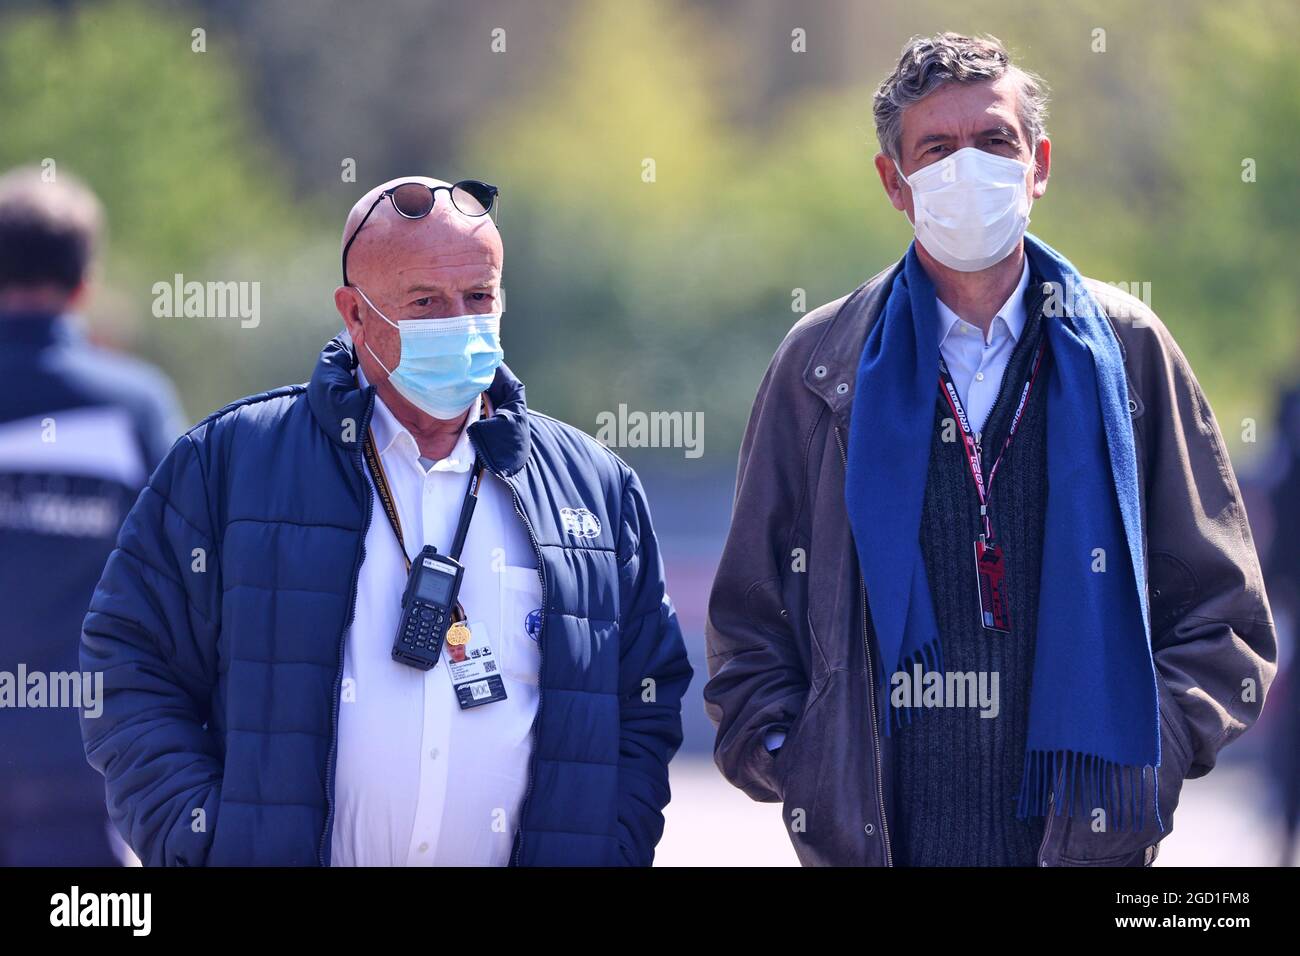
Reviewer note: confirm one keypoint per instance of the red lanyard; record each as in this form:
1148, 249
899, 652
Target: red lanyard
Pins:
982, 488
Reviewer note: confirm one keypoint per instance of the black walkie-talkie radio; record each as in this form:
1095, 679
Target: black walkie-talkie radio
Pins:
427, 607
429, 603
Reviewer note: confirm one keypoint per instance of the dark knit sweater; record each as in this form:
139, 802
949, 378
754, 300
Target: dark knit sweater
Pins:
957, 774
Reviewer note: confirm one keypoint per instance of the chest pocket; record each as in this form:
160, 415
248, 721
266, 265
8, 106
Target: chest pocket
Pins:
518, 648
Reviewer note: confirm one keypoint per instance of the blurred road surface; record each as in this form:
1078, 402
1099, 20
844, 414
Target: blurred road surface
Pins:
1223, 819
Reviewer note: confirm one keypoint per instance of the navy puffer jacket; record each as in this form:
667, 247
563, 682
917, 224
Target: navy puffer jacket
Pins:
220, 620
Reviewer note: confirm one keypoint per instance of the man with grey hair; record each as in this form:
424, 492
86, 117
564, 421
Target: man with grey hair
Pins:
990, 594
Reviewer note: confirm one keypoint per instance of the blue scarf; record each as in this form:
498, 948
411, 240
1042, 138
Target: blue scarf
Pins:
1093, 709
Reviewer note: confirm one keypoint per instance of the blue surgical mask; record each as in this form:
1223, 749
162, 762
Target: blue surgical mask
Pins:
445, 363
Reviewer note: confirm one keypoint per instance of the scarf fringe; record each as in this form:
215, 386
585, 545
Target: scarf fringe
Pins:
930, 657
1088, 782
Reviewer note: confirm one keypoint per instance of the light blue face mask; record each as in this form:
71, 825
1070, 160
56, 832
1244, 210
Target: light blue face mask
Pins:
445, 363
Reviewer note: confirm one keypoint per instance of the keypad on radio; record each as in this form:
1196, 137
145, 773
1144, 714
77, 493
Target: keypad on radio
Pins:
424, 627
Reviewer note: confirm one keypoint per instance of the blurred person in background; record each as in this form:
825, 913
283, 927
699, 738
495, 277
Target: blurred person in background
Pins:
266, 700
1282, 571
989, 594
81, 428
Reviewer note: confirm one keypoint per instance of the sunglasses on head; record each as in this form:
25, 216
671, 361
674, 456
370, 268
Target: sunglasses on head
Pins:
416, 200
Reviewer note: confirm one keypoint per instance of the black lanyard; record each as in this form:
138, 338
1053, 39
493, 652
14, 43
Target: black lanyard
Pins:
973, 451
390, 505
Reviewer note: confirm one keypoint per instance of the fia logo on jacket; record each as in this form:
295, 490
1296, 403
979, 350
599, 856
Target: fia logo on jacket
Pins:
579, 523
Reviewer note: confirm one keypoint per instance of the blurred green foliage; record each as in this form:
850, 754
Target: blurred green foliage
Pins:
114, 93
668, 291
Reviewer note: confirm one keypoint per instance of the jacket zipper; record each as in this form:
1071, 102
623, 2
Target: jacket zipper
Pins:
541, 657
342, 639
1047, 827
871, 686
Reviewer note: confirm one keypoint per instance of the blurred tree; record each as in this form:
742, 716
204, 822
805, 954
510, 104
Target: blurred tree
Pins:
615, 178
114, 90
675, 179
117, 93
395, 85
1223, 247
673, 294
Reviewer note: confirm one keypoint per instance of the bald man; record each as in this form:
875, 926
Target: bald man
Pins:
390, 617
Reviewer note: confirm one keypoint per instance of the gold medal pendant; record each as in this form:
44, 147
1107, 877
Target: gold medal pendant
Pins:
458, 634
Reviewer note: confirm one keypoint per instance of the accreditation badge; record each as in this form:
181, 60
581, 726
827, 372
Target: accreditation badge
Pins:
990, 578
472, 668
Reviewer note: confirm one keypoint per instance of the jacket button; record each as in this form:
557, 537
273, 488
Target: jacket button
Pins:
869, 829
820, 371
1132, 406
842, 388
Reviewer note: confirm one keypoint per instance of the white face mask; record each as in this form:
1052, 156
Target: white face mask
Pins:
971, 208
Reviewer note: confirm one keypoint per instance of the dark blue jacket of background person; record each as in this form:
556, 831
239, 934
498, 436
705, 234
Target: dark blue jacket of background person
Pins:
81, 428
220, 621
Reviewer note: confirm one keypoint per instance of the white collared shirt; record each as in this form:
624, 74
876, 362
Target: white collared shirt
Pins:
976, 363
420, 782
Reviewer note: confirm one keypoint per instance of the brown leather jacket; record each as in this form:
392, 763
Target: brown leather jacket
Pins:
789, 636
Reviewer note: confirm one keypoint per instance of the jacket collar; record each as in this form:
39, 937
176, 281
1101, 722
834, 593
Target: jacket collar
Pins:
342, 409
36, 329
832, 370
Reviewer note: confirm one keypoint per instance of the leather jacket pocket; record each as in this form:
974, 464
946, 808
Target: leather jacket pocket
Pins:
798, 771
